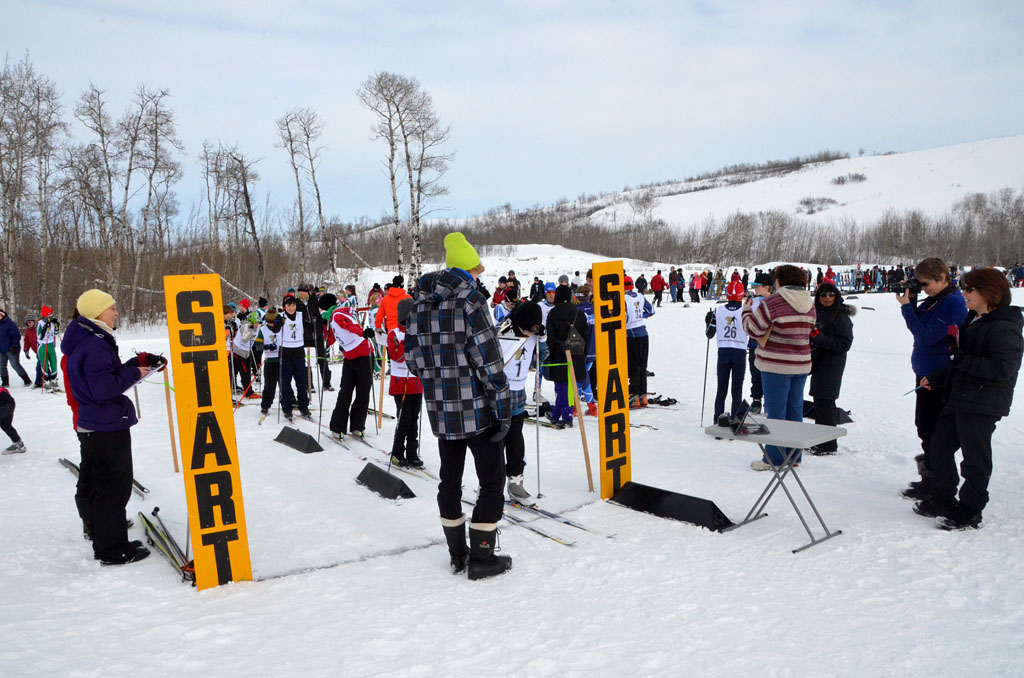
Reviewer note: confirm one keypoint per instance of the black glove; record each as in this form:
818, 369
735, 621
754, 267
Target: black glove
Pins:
270, 347
368, 333
27, 355
501, 430
152, 360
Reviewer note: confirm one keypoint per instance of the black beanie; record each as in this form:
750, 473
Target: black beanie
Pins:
562, 294
397, 281
327, 301
527, 315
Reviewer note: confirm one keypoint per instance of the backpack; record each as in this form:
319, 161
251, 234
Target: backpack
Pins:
574, 341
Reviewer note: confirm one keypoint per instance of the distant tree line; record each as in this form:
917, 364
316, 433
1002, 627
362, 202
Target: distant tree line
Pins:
89, 200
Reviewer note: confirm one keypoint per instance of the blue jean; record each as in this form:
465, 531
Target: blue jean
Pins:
783, 399
673, 289
731, 367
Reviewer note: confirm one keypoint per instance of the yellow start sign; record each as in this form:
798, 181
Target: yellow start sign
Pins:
206, 429
612, 375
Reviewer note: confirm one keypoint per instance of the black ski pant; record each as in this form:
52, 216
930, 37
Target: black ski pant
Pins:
972, 435
107, 457
406, 443
657, 298
756, 390
731, 364
293, 368
356, 375
321, 362
636, 360
7, 421
926, 413
242, 366
490, 472
826, 414
515, 447
271, 377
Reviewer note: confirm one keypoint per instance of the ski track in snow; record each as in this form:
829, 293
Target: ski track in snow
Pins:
890, 596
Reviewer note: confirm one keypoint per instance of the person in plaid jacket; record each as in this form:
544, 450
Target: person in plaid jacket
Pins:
452, 346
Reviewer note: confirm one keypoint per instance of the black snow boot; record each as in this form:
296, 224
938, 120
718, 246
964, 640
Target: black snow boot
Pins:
455, 533
483, 538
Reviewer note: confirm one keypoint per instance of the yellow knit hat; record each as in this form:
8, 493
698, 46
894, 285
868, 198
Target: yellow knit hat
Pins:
94, 302
458, 253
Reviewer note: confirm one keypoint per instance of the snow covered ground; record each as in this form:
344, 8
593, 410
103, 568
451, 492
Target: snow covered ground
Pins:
930, 181
892, 595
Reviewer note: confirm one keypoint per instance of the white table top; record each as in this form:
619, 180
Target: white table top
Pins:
782, 433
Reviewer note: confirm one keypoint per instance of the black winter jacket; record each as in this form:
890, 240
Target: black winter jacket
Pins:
982, 376
829, 347
557, 330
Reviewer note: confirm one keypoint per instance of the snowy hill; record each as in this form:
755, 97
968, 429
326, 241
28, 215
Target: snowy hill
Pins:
930, 181
353, 585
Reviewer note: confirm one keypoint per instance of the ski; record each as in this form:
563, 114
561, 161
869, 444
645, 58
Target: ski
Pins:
526, 524
558, 517
164, 543
412, 470
137, 487
385, 414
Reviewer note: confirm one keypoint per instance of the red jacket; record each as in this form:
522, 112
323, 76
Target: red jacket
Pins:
403, 381
31, 341
348, 333
67, 392
657, 283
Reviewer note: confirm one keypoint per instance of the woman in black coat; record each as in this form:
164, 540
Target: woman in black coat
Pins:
978, 385
830, 341
560, 318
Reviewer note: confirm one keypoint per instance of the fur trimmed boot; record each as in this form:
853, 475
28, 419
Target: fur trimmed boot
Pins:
455, 533
483, 541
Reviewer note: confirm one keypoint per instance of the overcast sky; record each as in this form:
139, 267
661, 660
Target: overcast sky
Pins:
546, 99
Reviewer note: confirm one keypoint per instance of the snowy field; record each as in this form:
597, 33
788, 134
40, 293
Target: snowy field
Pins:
352, 585
930, 181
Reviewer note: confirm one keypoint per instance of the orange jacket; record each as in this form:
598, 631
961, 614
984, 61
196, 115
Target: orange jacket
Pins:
387, 312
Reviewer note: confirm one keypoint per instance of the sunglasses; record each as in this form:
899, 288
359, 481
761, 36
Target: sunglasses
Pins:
827, 294
967, 288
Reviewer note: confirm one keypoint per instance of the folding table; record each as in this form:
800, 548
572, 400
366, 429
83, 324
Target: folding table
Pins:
789, 434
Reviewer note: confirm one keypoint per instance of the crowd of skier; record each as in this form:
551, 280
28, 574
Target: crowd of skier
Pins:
476, 360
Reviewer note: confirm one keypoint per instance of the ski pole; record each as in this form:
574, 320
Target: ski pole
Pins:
138, 408
320, 417
380, 410
373, 395
536, 399
704, 394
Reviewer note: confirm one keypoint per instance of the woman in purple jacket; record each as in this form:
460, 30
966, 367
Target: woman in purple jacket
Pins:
98, 380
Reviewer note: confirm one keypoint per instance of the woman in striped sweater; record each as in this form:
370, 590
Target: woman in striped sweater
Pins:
782, 325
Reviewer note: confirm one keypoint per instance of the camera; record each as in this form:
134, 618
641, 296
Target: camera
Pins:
913, 285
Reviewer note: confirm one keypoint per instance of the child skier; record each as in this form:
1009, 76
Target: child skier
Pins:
356, 371
638, 310
46, 331
726, 324
241, 353
6, 419
407, 391
31, 343
518, 337
292, 356
271, 364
